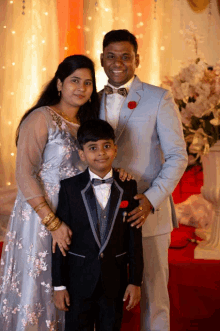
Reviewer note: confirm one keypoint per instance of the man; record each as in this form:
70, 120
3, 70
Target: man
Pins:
151, 147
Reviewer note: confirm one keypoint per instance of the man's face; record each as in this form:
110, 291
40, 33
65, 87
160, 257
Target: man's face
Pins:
119, 62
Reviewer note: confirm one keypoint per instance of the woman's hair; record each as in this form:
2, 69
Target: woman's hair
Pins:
50, 97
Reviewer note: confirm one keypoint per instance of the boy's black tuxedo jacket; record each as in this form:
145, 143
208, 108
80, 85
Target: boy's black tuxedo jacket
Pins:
86, 259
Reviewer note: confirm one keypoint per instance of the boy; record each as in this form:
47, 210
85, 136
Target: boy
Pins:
95, 205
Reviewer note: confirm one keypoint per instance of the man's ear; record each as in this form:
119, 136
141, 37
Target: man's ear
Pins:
137, 60
81, 155
101, 59
59, 85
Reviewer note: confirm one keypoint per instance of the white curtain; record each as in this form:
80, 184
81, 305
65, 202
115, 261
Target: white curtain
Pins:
28, 59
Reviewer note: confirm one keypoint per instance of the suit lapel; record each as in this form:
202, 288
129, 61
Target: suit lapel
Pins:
115, 200
135, 94
90, 205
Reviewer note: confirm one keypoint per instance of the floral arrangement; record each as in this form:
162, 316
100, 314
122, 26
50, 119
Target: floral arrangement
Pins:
196, 90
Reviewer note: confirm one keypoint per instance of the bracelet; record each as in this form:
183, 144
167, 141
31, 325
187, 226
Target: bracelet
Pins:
40, 206
54, 225
50, 221
47, 218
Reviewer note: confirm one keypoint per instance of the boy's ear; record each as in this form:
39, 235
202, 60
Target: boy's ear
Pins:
81, 155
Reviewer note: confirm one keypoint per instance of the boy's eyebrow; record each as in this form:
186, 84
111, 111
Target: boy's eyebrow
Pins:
94, 143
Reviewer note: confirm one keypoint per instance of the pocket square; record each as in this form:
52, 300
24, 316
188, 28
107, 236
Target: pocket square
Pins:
124, 204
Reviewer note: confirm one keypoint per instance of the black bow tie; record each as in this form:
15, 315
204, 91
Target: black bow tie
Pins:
122, 90
96, 181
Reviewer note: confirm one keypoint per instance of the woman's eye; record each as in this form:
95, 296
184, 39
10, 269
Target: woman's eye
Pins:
88, 83
75, 80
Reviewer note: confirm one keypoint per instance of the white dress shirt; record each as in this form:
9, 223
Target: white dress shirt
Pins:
114, 103
102, 193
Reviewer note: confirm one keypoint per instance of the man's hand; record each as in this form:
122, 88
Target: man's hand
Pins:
141, 212
61, 299
132, 292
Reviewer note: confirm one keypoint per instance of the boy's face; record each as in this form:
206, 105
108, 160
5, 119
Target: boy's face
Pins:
119, 62
99, 155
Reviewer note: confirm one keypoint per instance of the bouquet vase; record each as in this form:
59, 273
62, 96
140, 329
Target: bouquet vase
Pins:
209, 249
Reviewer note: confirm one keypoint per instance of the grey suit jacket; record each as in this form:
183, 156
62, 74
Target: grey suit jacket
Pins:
152, 148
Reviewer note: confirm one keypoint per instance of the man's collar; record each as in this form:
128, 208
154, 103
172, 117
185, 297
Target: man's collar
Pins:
92, 175
127, 85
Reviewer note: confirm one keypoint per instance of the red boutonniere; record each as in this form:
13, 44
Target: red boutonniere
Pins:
124, 204
132, 104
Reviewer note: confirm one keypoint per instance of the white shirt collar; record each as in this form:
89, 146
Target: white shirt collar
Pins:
127, 85
108, 175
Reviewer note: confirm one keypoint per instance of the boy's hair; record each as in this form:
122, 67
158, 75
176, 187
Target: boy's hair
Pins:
120, 35
94, 130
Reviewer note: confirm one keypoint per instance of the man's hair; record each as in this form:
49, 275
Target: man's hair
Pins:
114, 36
94, 130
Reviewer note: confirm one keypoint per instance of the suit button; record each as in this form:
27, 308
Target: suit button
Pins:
101, 255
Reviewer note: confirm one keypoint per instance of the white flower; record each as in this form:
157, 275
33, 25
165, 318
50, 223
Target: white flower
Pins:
200, 143
216, 120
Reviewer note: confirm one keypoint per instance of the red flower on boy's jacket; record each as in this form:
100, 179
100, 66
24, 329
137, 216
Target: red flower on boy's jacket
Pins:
124, 204
132, 104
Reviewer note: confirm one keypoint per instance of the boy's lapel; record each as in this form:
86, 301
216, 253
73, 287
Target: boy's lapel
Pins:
115, 201
91, 209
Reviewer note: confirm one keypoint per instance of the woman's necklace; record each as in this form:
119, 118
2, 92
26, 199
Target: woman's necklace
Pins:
61, 113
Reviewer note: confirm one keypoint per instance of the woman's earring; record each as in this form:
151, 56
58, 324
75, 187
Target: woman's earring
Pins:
90, 100
59, 93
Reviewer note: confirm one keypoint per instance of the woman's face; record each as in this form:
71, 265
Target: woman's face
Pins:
76, 89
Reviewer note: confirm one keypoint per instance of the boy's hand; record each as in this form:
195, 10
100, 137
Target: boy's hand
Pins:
134, 292
61, 299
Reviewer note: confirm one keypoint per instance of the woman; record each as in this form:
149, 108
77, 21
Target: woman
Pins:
46, 154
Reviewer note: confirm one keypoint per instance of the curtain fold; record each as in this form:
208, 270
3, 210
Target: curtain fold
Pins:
71, 30
29, 59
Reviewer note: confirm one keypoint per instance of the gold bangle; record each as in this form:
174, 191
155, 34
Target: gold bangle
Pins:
40, 206
47, 218
50, 221
54, 225
57, 226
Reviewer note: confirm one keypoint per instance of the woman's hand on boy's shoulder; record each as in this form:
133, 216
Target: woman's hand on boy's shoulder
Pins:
123, 175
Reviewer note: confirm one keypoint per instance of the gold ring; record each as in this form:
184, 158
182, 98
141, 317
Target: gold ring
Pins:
140, 208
